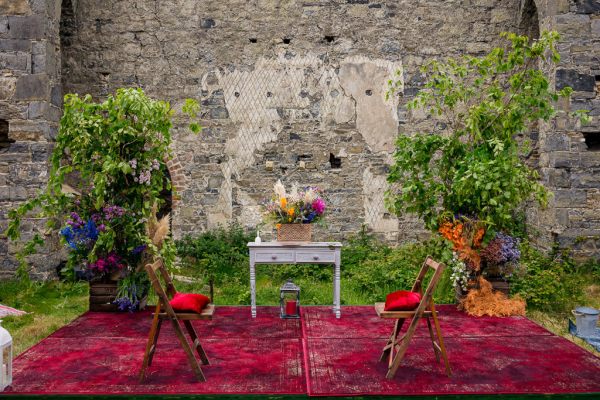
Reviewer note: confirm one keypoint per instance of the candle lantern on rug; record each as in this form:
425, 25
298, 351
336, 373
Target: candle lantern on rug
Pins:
290, 300
5, 358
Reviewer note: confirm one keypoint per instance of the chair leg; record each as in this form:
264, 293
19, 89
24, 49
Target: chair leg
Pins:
388, 349
441, 341
436, 349
152, 337
188, 351
153, 349
196, 342
403, 347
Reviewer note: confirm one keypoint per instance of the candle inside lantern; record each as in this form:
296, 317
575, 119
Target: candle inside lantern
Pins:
290, 307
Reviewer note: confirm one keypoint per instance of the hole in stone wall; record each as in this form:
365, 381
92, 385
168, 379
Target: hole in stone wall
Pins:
592, 140
368, 92
329, 38
287, 40
334, 161
4, 140
253, 40
529, 23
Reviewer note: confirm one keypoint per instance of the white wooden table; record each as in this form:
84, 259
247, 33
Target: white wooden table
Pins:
296, 253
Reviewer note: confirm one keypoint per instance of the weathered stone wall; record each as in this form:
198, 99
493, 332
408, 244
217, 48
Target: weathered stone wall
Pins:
299, 85
293, 82
30, 100
569, 159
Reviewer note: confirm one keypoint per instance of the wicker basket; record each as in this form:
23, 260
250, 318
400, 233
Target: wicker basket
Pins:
294, 232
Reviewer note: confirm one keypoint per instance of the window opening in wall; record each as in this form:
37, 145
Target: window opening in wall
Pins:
329, 38
592, 140
4, 139
334, 161
253, 40
287, 40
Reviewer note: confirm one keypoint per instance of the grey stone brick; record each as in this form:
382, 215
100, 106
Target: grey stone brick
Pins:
574, 79
33, 87
27, 27
588, 6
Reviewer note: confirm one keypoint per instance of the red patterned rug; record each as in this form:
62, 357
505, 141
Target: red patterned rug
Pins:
101, 353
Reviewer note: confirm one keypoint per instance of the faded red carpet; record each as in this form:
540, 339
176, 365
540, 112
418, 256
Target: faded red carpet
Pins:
101, 353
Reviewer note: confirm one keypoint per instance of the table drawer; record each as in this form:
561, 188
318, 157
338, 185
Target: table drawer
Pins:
315, 257
274, 256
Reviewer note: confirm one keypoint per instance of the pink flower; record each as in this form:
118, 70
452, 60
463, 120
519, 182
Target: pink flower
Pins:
319, 206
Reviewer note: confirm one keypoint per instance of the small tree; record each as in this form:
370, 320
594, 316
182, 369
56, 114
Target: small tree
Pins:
476, 167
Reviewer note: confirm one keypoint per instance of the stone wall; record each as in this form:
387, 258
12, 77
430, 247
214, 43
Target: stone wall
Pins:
299, 84
570, 153
289, 89
30, 100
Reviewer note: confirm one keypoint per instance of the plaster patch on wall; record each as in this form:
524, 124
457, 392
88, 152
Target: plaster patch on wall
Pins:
376, 215
287, 89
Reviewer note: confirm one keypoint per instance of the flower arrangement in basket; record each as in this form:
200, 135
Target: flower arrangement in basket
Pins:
294, 212
474, 258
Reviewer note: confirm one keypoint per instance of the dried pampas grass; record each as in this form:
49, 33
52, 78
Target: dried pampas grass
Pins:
162, 231
484, 301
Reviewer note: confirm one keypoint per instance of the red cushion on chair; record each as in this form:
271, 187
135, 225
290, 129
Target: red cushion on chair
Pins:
402, 300
190, 302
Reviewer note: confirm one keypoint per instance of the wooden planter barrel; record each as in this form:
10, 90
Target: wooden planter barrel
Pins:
102, 295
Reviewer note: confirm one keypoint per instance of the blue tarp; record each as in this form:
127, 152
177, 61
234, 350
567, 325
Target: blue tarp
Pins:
593, 340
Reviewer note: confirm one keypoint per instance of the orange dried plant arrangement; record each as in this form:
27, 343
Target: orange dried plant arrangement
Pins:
485, 301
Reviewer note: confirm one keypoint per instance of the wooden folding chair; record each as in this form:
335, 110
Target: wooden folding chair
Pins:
165, 311
395, 349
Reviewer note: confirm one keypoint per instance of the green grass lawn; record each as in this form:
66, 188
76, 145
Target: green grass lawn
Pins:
54, 304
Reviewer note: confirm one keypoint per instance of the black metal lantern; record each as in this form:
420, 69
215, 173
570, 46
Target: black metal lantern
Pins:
289, 300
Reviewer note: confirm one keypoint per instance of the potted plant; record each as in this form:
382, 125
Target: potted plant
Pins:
294, 212
469, 181
108, 170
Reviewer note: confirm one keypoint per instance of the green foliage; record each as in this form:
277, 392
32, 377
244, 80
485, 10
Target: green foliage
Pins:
475, 168
397, 269
111, 153
218, 254
552, 282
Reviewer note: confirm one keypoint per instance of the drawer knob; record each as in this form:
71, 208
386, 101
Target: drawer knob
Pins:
273, 257
315, 257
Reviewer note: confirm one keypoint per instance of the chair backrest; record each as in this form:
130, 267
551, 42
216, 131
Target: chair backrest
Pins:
427, 296
155, 271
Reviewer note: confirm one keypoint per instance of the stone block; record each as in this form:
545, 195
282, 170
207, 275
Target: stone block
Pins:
33, 87
587, 6
586, 179
590, 159
39, 152
56, 96
3, 24
18, 193
29, 27
556, 142
37, 109
574, 79
14, 61
4, 193
569, 197
15, 45
22, 131
7, 87
596, 27
564, 159
14, 7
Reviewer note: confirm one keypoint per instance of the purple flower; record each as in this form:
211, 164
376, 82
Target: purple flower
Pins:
101, 227
139, 249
